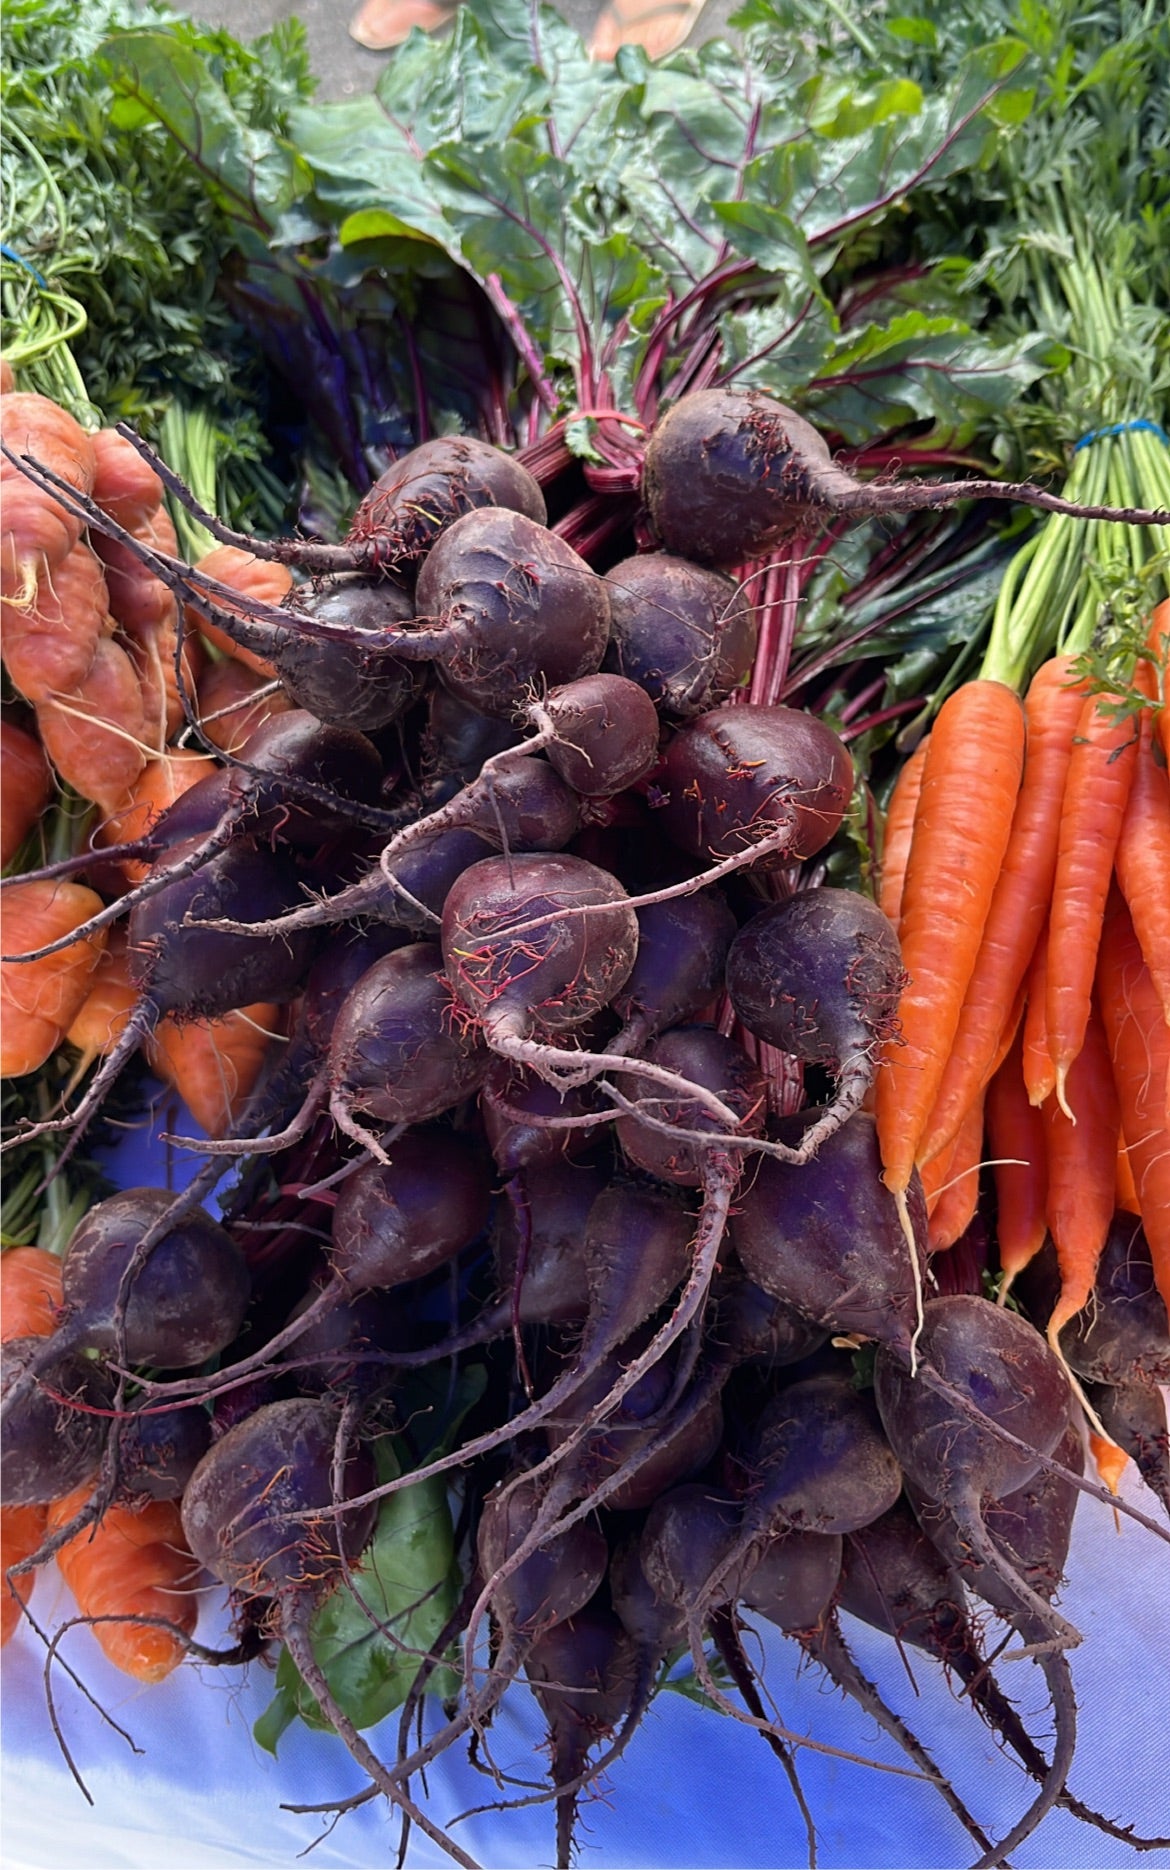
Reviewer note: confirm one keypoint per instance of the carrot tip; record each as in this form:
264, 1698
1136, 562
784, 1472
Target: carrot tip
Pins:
1062, 1100
911, 1242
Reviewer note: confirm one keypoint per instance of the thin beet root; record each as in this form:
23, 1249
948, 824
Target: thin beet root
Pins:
729, 475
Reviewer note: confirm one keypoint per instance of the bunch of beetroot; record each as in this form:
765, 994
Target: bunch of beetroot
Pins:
574, 1097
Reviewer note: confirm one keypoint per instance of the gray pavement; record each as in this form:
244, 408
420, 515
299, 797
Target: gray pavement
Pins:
345, 68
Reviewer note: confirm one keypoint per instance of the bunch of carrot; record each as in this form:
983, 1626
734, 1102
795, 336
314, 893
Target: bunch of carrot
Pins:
89, 642
1026, 867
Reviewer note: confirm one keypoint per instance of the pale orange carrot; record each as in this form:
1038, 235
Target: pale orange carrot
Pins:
1100, 774
49, 644
215, 1063
899, 830
1081, 1146
36, 532
156, 788
133, 1563
25, 786
254, 577
40, 999
124, 485
30, 1293
95, 735
1020, 901
229, 711
105, 1013
1158, 650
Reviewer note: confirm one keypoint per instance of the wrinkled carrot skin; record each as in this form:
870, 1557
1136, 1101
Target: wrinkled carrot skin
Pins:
233, 686
1100, 774
1015, 1144
96, 735
1036, 1063
1082, 1171
124, 485
22, 1532
900, 815
138, 599
1142, 862
955, 1203
133, 1562
40, 999
25, 787
969, 787
105, 1012
36, 532
1139, 1044
30, 1292
254, 577
1020, 901
214, 1064
1109, 1460
49, 645
155, 790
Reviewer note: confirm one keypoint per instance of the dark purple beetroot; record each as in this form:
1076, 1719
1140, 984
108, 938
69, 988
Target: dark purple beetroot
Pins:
679, 968
520, 1117
794, 1578
399, 1050
825, 1237
519, 956
1122, 1334
396, 1220
606, 734
54, 1427
540, 1243
427, 489
820, 976
358, 684
705, 1057
184, 1304
737, 775
509, 606
819, 1461
685, 634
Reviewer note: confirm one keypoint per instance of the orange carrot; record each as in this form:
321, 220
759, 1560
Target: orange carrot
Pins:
1139, 1043
1036, 1064
137, 598
149, 615
1143, 859
135, 1562
1015, 1141
25, 786
953, 1209
1100, 773
156, 788
1109, 1459
1124, 1187
30, 1293
215, 1063
22, 1532
36, 532
900, 815
1020, 901
228, 710
40, 999
255, 577
1081, 1147
7, 377
124, 485
104, 1014
969, 787
49, 644
95, 735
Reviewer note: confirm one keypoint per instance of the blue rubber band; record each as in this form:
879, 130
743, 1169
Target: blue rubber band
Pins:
10, 253
1123, 428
